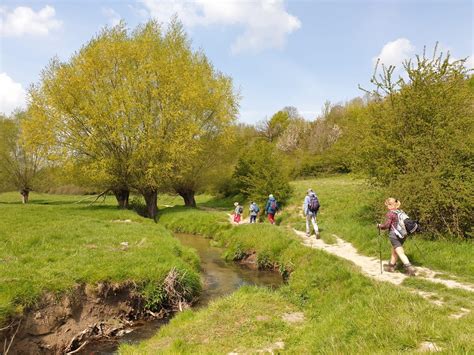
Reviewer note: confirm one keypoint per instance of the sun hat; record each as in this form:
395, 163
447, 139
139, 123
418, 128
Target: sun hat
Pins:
236, 203
270, 196
310, 190
392, 203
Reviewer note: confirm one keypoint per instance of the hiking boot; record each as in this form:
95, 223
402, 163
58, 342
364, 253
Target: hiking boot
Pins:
410, 270
389, 267
308, 235
317, 235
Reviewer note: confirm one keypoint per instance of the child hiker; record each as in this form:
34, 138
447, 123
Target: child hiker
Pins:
254, 209
238, 212
391, 221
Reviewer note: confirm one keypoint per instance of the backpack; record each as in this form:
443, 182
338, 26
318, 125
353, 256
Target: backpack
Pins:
405, 225
273, 205
256, 209
241, 209
313, 205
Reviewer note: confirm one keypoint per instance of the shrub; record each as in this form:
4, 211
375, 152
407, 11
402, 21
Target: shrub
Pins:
419, 144
259, 173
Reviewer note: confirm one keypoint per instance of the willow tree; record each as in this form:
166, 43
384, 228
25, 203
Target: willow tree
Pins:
203, 172
19, 161
135, 106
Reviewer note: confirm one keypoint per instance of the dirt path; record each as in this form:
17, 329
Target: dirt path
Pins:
371, 266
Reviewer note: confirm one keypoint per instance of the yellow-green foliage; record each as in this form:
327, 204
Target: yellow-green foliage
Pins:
19, 162
136, 108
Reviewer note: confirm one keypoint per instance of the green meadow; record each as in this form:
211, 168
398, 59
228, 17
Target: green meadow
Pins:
343, 311
54, 243
327, 305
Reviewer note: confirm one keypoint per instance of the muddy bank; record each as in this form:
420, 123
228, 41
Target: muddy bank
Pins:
67, 323
96, 319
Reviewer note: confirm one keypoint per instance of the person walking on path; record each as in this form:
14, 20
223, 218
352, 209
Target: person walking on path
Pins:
310, 210
238, 212
390, 224
254, 209
271, 208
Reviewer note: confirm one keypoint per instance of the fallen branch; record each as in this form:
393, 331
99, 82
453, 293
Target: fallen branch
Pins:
13, 338
102, 194
84, 199
78, 349
5, 328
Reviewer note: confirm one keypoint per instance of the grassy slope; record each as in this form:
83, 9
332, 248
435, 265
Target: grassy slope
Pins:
346, 212
344, 311
52, 243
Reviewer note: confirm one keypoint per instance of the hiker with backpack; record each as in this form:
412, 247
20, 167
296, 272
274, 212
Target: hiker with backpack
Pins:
399, 226
238, 212
271, 208
253, 209
310, 210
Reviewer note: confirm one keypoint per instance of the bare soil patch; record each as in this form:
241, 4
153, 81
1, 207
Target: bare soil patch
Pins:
64, 324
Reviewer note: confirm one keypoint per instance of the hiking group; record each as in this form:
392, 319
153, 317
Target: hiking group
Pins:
271, 209
397, 222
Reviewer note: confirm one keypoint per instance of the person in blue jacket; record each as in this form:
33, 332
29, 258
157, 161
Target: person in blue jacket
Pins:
271, 208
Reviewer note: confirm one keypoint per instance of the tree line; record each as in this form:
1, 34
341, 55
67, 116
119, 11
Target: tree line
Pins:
140, 110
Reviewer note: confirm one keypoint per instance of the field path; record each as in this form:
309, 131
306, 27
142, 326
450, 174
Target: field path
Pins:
371, 266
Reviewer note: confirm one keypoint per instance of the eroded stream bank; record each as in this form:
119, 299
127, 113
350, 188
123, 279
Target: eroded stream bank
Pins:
219, 279
88, 312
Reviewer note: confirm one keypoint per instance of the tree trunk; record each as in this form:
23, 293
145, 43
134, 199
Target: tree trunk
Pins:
151, 199
188, 197
24, 195
122, 196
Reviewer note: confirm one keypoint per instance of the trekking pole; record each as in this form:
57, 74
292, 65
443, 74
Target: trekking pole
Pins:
380, 250
417, 247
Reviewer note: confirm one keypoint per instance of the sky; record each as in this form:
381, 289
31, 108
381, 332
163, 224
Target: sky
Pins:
279, 53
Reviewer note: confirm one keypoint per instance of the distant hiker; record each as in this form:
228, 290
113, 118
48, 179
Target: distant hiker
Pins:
238, 212
271, 208
310, 210
254, 209
396, 238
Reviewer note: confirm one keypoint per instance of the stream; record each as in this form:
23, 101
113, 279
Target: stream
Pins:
219, 278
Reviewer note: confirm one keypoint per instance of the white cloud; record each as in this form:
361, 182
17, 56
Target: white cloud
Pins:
12, 94
113, 17
266, 23
25, 21
395, 52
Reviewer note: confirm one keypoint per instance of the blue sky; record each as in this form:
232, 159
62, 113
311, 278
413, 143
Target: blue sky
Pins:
279, 53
